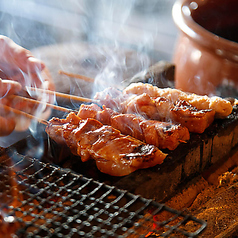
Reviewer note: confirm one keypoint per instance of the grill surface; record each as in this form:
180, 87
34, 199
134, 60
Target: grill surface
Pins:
48, 201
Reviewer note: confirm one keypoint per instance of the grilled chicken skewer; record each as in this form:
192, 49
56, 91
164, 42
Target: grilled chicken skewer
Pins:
161, 134
159, 108
114, 153
176, 107
190, 110
164, 135
222, 107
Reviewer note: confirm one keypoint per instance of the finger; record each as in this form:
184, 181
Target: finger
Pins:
23, 59
18, 57
40, 80
34, 64
30, 80
8, 87
49, 82
7, 125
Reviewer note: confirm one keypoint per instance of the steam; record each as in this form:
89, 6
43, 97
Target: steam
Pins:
116, 29
122, 40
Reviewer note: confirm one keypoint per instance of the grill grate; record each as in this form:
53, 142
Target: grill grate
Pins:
48, 201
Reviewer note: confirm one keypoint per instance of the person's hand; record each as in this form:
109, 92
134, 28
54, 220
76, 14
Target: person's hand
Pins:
7, 122
18, 64
18, 69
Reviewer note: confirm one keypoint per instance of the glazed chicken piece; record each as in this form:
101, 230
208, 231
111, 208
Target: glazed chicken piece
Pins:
198, 122
161, 134
114, 153
178, 112
222, 107
162, 109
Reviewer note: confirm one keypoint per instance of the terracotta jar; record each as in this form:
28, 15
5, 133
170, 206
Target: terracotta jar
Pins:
206, 54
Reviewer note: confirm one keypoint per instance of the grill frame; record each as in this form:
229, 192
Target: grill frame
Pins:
40, 181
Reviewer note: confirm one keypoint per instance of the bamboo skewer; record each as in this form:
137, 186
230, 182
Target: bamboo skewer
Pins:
59, 108
18, 112
40, 120
87, 79
61, 95
49, 92
78, 76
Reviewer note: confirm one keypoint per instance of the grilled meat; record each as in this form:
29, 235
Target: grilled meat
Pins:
159, 108
161, 134
114, 153
192, 118
222, 107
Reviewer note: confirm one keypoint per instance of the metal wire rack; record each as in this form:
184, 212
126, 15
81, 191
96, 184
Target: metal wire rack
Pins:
48, 201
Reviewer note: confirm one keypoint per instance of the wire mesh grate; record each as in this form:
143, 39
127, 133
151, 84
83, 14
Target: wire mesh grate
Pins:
48, 201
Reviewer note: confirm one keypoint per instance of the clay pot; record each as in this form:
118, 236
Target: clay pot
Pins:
206, 54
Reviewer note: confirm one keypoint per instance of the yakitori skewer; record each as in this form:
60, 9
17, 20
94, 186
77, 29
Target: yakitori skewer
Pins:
37, 102
143, 99
114, 153
161, 134
113, 156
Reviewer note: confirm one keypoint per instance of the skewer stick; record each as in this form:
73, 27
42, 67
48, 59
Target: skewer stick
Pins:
78, 76
59, 108
61, 95
18, 112
87, 79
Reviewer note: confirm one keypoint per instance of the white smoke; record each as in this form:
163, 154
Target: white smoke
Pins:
125, 35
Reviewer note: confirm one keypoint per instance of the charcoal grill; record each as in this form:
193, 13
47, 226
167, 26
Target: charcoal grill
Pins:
49, 201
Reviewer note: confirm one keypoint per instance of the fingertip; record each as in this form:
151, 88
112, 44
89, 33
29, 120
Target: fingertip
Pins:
9, 87
35, 64
12, 85
48, 85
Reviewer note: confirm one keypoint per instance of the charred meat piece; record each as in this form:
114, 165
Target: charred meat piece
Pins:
114, 153
222, 107
198, 122
163, 109
161, 134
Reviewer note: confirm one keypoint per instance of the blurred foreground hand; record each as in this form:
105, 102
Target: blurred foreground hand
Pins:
18, 68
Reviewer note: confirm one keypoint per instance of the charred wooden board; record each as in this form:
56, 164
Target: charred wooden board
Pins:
218, 142
189, 159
